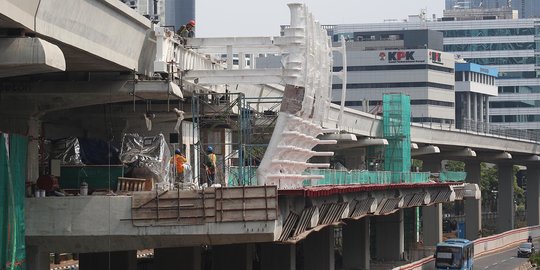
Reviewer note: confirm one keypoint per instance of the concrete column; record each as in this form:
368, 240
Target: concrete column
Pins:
482, 99
185, 258
505, 200
468, 105
319, 250
37, 259
277, 256
233, 257
356, 253
475, 107
473, 207
117, 260
34, 132
432, 165
533, 195
432, 224
487, 110
389, 237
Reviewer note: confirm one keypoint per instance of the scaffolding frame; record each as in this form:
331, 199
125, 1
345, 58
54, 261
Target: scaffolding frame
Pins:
397, 130
250, 121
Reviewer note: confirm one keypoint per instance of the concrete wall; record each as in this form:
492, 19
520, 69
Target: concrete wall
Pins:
102, 223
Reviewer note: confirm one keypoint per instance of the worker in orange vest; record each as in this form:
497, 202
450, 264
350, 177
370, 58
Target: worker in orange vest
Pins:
179, 162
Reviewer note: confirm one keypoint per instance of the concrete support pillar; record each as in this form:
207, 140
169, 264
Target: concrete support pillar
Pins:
487, 110
505, 200
432, 165
184, 258
482, 116
277, 256
34, 132
475, 107
473, 207
233, 257
389, 237
117, 260
356, 253
319, 250
37, 259
533, 195
468, 106
432, 224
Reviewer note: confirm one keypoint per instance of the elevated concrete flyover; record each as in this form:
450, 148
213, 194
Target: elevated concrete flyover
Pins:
93, 35
366, 125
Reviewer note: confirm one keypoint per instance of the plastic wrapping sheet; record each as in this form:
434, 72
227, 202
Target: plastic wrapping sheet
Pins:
148, 152
68, 150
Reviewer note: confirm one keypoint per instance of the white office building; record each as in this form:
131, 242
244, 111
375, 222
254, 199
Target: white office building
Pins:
426, 75
510, 46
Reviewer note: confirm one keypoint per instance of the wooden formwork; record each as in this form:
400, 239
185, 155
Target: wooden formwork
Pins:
210, 205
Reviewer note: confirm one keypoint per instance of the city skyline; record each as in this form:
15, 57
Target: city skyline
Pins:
216, 19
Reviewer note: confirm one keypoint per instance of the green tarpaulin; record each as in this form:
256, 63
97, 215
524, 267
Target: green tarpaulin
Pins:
13, 150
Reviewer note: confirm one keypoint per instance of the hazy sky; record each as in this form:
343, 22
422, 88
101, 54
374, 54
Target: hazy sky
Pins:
263, 17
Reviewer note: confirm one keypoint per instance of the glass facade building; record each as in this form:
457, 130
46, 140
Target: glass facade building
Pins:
510, 46
526, 8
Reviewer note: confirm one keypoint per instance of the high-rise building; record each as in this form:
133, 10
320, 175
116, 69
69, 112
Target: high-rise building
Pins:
526, 8
511, 46
151, 9
166, 12
179, 12
400, 61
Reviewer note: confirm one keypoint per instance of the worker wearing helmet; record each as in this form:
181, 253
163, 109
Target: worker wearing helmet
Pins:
210, 165
187, 30
179, 161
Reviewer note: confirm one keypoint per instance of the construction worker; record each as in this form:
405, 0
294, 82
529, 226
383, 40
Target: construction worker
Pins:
187, 30
210, 165
179, 162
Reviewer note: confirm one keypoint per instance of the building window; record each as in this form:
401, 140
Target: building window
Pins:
489, 32
503, 60
490, 47
395, 85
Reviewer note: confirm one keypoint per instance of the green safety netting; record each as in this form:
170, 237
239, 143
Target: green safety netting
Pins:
13, 149
397, 131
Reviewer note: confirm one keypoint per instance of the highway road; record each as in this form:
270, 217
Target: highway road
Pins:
503, 260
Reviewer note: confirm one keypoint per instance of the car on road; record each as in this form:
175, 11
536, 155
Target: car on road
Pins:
525, 249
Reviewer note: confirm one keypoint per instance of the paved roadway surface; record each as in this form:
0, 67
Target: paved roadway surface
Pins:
503, 260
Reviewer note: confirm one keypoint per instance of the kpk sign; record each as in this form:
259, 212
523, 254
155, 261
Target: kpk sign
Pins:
435, 57
399, 57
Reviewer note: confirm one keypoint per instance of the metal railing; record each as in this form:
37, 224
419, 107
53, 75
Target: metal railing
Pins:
353, 177
448, 176
497, 129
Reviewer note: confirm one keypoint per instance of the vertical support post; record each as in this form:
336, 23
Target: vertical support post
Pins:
533, 195
319, 250
233, 257
473, 207
118, 260
432, 224
389, 237
356, 248
34, 132
505, 200
468, 106
171, 258
37, 259
276, 256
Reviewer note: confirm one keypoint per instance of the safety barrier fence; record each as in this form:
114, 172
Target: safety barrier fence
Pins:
485, 246
362, 177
